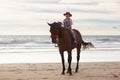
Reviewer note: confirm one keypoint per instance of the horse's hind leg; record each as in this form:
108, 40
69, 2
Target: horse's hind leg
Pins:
63, 63
78, 58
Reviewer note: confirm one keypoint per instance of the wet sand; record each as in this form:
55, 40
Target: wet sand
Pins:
52, 71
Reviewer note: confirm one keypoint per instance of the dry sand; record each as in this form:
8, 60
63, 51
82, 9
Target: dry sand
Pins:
87, 71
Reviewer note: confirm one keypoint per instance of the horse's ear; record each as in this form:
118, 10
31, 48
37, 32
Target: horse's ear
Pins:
60, 23
49, 24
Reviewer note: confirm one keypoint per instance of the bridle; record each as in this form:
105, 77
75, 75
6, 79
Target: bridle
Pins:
53, 36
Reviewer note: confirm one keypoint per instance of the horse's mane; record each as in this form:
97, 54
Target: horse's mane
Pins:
60, 27
59, 24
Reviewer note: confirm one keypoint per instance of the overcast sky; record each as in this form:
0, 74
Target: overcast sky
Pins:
30, 17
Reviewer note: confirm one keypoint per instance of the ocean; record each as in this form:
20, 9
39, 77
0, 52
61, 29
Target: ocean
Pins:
39, 49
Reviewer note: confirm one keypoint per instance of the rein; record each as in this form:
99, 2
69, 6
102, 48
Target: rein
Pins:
54, 36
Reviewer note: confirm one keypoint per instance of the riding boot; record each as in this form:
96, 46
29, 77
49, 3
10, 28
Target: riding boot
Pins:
75, 41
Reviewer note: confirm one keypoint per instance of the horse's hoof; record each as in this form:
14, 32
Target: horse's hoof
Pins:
62, 73
70, 74
76, 71
67, 72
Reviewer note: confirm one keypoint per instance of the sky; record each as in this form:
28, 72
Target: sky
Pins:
30, 17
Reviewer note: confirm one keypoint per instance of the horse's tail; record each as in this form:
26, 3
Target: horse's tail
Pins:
87, 45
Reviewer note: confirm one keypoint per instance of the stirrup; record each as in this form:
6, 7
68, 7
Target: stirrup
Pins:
75, 41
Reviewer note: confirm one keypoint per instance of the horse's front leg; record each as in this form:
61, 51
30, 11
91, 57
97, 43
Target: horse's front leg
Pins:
69, 62
63, 62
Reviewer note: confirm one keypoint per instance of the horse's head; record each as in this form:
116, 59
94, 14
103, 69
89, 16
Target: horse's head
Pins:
54, 30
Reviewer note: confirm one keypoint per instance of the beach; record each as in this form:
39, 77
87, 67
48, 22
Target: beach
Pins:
52, 71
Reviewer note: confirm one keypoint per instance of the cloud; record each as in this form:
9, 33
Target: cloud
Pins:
26, 15
115, 27
59, 8
78, 2
40, 1
100, 21
72, 10
91, 11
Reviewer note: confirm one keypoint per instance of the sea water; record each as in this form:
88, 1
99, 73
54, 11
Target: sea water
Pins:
40, 49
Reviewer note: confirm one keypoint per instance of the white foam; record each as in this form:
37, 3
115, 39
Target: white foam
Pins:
53, 56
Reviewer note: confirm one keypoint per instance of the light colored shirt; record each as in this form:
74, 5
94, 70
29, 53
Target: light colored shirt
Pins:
67, 23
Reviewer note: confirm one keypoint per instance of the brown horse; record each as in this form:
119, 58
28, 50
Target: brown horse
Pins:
65, 42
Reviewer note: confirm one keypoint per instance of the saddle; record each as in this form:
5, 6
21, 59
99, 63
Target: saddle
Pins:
71, 35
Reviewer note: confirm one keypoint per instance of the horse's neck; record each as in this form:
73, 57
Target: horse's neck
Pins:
64, 38
63, 32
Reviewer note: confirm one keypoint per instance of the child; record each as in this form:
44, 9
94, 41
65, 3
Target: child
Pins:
67, 22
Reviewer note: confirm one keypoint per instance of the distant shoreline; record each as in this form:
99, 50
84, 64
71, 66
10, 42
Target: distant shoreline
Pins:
50, 34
